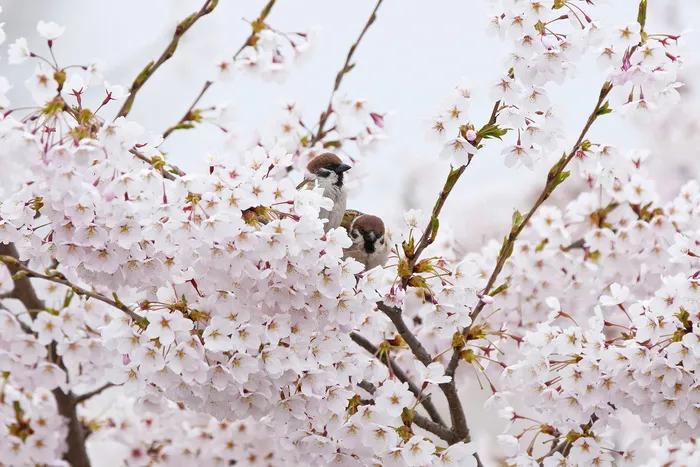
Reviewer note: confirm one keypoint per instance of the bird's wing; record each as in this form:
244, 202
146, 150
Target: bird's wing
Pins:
349, 216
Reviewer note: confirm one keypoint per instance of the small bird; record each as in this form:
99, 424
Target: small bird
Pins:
366, 231
326, 171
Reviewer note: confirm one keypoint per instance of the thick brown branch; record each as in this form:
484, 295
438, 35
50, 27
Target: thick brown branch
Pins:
169, 51
28, 297
189, 114
339, 77
423, 422
394, 314
76, 455
401, 376
457, 416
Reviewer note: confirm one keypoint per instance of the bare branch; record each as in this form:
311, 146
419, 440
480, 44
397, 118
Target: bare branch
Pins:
169, 51
401, 376
339, 77
190, 115
93, 393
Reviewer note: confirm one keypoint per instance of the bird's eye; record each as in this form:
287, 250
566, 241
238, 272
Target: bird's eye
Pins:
329, 166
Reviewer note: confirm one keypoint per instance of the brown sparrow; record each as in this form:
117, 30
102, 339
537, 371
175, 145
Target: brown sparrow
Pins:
326, 171
369, 246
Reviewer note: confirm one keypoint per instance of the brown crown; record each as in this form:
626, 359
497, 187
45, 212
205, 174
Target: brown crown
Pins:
369, 223
323, 160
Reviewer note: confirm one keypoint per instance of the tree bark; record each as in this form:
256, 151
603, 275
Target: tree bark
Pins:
76, 455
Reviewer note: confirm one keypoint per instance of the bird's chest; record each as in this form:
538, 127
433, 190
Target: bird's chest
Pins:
334, 192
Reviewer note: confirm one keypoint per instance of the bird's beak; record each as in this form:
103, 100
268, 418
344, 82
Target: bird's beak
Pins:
303, 184
342, 168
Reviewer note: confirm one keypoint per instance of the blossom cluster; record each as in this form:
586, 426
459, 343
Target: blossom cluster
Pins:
218, 290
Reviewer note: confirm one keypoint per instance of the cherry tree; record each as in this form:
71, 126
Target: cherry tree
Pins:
235, 331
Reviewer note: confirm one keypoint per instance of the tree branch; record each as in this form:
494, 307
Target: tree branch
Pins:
169, 51
76, 455
553, 180
459, 419
189, 115
25, 292
339, 77
401, 376
93, 393
423, 422
159, 165
430, 232
394, 314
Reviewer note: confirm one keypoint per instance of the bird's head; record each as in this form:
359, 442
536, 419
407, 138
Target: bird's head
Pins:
367, 232
327, 169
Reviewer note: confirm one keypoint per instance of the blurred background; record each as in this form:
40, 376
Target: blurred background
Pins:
407, 64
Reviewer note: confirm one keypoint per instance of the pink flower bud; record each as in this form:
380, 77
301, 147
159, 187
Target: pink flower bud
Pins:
488, 299
471, 135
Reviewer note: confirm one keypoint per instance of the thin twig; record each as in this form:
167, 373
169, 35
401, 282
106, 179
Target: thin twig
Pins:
401, 376
189, 115
423, 422
553, 179
91, 394
430, 231
339, 77
169, 51
13, 262
160, 165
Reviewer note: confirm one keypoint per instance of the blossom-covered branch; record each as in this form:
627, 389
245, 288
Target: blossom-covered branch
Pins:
58, 278
437, 429
426, 402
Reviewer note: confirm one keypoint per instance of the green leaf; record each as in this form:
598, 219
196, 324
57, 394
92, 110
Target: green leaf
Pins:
348, 68
603, 109
499, 289
452, 179
517, 218
506, 248
492, 130
560, 179
642, 14
434, 226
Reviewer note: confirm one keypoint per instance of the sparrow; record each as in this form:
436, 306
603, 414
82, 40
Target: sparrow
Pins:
326, 171
369, 246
